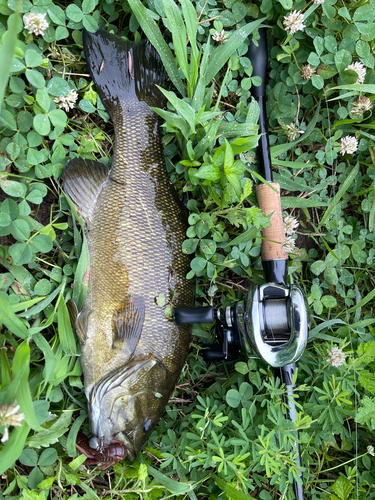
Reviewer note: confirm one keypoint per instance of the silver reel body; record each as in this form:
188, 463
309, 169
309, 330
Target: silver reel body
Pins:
273, 323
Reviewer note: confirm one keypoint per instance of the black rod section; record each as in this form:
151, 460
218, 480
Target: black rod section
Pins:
259, 60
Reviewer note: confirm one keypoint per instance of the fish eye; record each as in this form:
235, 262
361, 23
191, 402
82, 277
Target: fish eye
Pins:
94, 443
147, 426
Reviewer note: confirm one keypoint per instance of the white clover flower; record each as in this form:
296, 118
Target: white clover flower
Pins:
361, 105
370, 450
36, 23
292, 131
290, 224
220, 37
9, 416
294, 22
336, 356
348, 144
307, 72
289, 244
318, 1
359, 68
67, 102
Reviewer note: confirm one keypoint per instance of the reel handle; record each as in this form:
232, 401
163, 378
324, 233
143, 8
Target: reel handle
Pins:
186, 315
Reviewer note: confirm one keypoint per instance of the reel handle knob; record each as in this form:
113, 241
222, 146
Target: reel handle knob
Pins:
214, 353
185, 315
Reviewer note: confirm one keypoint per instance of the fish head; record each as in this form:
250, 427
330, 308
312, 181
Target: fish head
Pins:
127, 403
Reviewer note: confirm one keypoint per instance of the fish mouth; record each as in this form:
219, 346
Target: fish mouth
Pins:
129, 445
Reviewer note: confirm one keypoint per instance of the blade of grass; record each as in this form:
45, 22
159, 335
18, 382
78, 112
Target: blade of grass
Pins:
66, 335
222, 53
7, 52
177, 27
10, 320
13, 447
343, 189
153, 33
21, 362
49, 357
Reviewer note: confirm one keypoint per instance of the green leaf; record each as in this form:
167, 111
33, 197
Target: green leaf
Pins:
233, 398
46, 437
21, 253
224, 51
7, 52
57, 15
47, 457
182, 108
74, 13
153, 33
43, 99
50, 360
21, 363
198, 264
177, 487
189, 246
329, 301
342, 59
42, 124
342, 487
58, 118
33, 58
41, 243
13, 150
35, 78
178, 34
209, 172
343, 189
90, 23
13, 447
13, 188
29, 457
7, 120
230, 490
20, 230
86, 106
88, 6
66, 335
208, 247
43, 287
318, 267
58, 87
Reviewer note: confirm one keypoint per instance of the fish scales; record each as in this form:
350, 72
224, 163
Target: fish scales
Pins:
132, 355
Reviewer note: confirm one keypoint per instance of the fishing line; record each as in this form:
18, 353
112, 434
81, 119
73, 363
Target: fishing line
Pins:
346, 305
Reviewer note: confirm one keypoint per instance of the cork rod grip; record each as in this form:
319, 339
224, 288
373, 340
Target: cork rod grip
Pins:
269, 201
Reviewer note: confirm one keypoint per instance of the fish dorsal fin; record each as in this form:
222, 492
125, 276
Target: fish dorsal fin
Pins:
83, 180
128, 323
82, 324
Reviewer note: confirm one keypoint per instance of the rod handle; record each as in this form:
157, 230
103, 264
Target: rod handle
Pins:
269, 201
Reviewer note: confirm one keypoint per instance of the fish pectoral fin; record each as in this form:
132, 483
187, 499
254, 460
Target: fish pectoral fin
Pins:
128, 322
82, 181
82, 323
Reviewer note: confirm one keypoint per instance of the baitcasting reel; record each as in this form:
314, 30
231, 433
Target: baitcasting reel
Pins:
272, 324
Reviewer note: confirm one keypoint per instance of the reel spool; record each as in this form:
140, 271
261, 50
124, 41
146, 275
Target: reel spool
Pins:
272, 324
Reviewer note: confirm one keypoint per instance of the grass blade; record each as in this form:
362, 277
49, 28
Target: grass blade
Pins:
222, 53
153, 33
177, 27
66, 335
21, 362
10, 320
7, 53
13, 447
343, 189
49, 357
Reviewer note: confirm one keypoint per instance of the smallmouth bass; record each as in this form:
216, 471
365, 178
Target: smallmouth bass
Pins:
132, 355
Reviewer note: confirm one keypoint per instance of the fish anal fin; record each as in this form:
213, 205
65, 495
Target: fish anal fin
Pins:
82, 180
128, 322
82, 324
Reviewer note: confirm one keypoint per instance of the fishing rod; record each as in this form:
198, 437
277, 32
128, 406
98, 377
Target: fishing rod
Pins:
272, 323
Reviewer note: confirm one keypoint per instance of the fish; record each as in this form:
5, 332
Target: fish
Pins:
131, 353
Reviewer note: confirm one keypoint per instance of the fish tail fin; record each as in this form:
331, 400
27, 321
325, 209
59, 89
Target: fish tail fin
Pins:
123, 70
